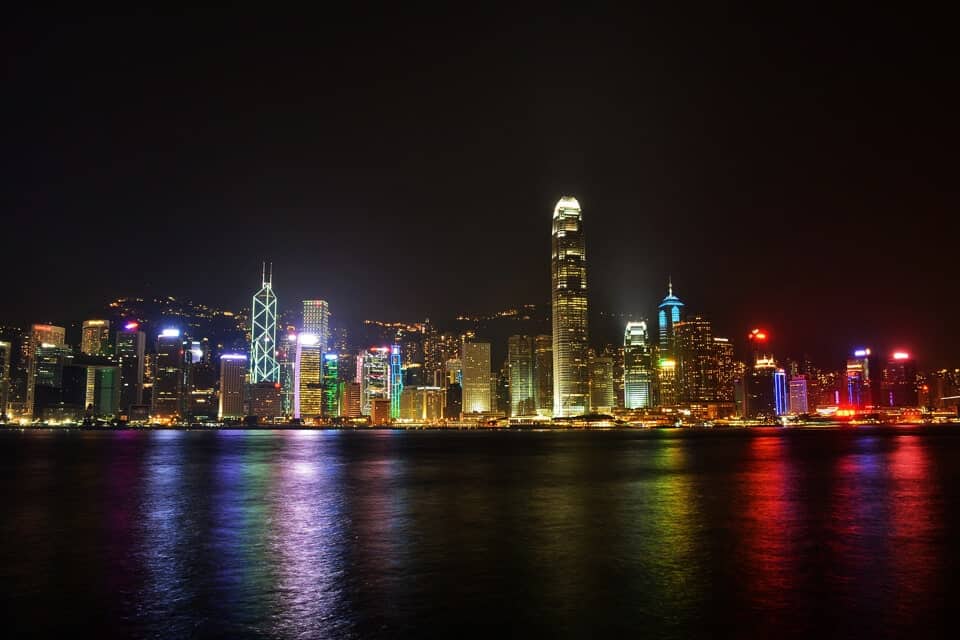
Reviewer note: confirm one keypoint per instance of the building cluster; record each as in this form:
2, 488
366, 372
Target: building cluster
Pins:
275, 368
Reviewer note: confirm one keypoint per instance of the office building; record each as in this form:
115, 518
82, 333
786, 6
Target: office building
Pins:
726, 368
373, 367
95, 338
477, 397
263, 335
798, 395
543, 375
521, 366
638, 369
571, 380
129, 353
453, 407
5, 360
233, 374
603, 396
696, 361
396, 381
316, 321
168, 379
350, 405
308, 373
669, 313
899, 384
39, 334
331, 385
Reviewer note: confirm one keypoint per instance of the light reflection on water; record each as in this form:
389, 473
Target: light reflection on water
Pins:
339, 534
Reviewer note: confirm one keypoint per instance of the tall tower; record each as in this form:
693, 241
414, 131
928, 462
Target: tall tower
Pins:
233, 366
476, 377
396, 381
316, 321
521, 361
568, 266
669, 314
263, 338
638, 371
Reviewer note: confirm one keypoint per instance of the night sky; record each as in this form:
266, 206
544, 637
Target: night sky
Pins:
794, 171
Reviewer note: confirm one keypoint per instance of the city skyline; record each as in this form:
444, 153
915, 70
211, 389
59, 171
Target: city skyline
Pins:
775, 189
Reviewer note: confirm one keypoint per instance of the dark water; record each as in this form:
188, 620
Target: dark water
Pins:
767, 533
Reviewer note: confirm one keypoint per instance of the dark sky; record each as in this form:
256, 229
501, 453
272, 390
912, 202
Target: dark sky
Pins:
797, 171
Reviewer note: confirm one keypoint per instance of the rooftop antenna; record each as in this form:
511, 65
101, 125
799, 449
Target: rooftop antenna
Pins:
669, 285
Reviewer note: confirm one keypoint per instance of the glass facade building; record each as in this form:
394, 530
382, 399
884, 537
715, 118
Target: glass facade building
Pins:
638, 370
263, 337
571, 381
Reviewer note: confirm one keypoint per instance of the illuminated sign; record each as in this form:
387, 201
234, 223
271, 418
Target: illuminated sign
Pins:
308, 339
233, 356
170, 333
130, 326
860, 353
901, 355
330, 356
757, 334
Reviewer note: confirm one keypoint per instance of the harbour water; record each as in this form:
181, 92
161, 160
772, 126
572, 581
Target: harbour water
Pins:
832, 532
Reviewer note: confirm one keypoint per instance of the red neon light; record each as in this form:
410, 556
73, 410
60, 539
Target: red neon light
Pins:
901, 355
757, 334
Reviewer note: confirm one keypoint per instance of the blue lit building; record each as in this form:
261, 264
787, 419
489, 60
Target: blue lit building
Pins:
669, 313
780, 392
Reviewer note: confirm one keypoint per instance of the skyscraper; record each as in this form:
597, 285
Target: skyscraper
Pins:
669, 313
476, 377
696, 361
39, 334
726, 368
308, 375
233, 370
331, 385
603, 397
316, 321
263, 337
798, 395
374, 372
129, 351
520, 362
95, 338
168, 376
396, 381
571, 386
638, 370
5, 348
543, 375
899, 383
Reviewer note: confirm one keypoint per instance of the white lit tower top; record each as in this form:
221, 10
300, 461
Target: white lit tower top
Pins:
263, 337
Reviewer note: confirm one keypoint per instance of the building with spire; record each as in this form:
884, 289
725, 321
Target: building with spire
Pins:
669, 313
571, 380
263, 336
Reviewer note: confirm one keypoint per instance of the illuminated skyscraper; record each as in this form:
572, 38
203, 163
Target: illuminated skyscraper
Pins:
571, 381
543, 375
798, 395
696, 362
726, 368
263, 337
316, 321
130, 348
95, 338
603, 397
5, 355
638, 370
39, 334
780, 396
331, 385
520, 362
669, 313
308, 374
476, 377
374, 373
168, 377
396, 381
900, 381
233, 371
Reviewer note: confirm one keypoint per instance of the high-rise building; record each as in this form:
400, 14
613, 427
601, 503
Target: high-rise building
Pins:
726, 368
454, 401
899, 383
286, 363
5, 359
521, 365
798, 395
603, 396
331, 385
761, 387
477, 395
95, 338
780, 396
316, 321
40, 334
233, 373
669, 313
861, 387
350, 406
696, 360
571, 380
638, 369
373, 367
263, 336
396, 381
543, 375
129, 353
308, 373
168, 379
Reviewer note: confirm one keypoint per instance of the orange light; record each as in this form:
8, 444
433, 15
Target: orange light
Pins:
759, 335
